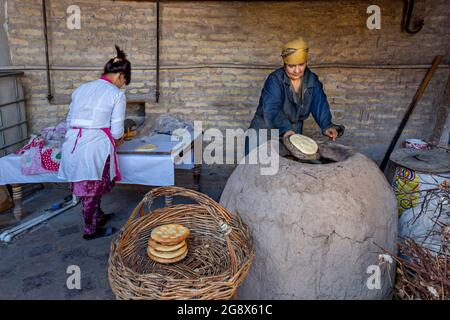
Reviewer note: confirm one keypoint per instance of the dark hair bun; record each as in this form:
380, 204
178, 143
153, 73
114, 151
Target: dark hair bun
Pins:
119, 64
120, 54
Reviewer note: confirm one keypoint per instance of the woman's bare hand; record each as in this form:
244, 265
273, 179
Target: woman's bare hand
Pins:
288, 133
119, 142
331, 133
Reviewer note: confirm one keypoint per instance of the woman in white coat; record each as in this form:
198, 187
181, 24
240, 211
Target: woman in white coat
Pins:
95, 126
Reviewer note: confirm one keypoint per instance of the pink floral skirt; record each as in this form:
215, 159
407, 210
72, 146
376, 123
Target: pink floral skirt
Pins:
93, 188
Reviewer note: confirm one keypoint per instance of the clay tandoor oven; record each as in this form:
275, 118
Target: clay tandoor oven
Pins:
317, 228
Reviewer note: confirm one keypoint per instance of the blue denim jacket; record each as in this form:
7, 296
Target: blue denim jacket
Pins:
277, 109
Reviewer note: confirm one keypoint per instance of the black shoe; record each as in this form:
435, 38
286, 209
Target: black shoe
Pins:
102, 222
99, 233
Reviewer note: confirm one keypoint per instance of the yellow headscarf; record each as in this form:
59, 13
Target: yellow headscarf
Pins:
295, 51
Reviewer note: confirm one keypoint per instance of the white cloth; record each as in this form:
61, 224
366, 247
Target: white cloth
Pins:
149, 170
154, 170
142, 169
95, 105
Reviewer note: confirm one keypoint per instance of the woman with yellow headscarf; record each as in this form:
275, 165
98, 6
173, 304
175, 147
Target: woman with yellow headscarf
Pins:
290, 94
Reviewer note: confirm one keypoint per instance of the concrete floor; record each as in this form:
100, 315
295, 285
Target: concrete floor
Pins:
34, 264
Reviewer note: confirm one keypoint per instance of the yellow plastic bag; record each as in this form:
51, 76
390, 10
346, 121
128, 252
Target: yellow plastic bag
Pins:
406, 188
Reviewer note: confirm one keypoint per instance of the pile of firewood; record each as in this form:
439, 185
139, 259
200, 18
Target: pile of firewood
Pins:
422, 274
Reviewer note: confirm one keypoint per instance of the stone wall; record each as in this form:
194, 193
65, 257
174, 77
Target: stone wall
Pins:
205, 47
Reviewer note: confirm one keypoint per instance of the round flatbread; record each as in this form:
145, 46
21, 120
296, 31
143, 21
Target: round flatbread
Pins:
170, 234
167, 261
304, 144
160, 247
167, 255
147, 147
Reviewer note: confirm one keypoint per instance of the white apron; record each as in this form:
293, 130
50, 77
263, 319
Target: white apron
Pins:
95, 105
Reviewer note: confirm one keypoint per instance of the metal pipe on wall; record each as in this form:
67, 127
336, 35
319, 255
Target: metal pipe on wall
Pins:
157, 92
409, 12
224, 66
47, 59
407, 19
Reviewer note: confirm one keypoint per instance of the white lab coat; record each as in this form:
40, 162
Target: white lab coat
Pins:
95, 105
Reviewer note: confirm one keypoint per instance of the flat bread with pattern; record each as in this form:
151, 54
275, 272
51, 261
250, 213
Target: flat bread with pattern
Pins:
167, 261
165, 248
304, 144
165, 254
170, 234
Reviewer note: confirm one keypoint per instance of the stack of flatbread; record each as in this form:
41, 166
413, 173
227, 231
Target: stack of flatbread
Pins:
167, 243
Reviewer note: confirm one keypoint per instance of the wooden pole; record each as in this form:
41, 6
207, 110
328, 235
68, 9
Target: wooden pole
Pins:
423, 86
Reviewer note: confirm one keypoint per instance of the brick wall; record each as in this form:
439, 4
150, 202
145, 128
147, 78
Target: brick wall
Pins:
368, 101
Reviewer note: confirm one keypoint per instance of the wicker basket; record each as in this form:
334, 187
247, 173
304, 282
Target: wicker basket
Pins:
220, 251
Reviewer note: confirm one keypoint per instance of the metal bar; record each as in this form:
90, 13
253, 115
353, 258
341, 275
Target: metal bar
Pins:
16, 88
18, 111
12, 102
13, 125
20, 136
10, 74
47, 59
157, 92
14, 143
20, 116
7, 235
